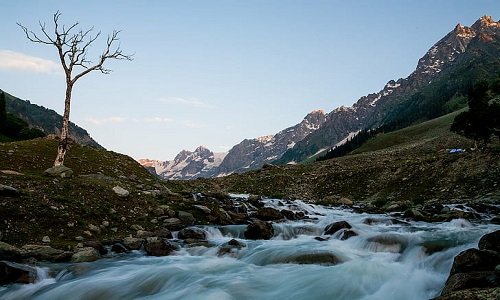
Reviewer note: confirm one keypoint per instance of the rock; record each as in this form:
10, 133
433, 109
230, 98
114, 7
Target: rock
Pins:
385, 221
119, 248
40, 252
79, 238
132, 243
259, 230
96, 245
495, 220
158, 211
320, 239
334, 227
59, 171
87, 254
336, 201
203, 209
142, 234
185, 217
387, 243
9, 252
159, 248
316, 258
94, 228
268, 214
473, 294
105, 223
290, 215
136, 227
414, 214
11, 272
462, 281
255, 200
230, 248
347, 233
46, 239
490, 241
8, 191
11, 172
474, 260
164, 233
121, 192
194, 233
173, 224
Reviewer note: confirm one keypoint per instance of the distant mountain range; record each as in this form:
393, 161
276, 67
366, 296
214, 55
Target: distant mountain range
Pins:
46, 119
436, 87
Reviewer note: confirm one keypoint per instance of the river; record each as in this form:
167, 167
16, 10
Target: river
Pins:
386, 260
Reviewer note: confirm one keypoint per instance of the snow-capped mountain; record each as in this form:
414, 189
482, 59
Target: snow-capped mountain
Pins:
372, 110
254, 153
186, 165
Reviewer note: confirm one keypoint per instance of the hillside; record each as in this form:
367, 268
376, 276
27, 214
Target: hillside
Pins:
65, 208
410, 166
45, 119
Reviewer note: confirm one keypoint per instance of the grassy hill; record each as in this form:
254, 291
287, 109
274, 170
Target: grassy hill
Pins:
64, 208
411, 165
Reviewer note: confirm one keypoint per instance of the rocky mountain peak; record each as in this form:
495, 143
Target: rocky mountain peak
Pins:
485, 22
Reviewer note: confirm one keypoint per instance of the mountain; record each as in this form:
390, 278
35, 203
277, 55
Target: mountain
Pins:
442, 75
46, 120
186, 165
254, 153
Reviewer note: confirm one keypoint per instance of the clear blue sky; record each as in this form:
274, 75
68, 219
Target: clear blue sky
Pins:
215, 72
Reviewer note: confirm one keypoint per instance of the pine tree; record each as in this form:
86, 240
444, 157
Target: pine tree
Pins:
3, 112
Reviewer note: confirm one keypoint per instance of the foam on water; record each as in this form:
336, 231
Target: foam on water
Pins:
387, 260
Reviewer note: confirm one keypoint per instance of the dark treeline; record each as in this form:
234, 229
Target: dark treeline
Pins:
13, 128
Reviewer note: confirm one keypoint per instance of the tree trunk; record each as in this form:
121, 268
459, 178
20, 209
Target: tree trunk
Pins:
63, 142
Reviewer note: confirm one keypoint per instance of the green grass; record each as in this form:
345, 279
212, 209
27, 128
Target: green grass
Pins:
426, 130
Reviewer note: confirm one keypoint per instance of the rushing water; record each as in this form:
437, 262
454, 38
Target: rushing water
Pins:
385, 261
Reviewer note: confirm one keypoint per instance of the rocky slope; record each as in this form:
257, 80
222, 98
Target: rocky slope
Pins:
254, 153
46, 120
186, 165
374, 109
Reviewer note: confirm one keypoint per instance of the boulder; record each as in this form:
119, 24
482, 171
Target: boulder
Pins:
387, 243
259, 230
40, 252
132, 243
290, 215
59, 171
16, 273
185, 217
203, 209
334, 227
230, 248
121, 192
9, 252
159, 248
490, 241
194, 233
475, 260
87, 254
164, 233
315, 258
96, 245
8, 191
142, 234
119, 248
269, 214
347, 233
172, 224
495, 220
463, 281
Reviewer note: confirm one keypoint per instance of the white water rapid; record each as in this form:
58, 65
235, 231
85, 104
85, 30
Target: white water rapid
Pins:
384, 261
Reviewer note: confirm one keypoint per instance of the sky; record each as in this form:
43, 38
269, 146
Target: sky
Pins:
214, 72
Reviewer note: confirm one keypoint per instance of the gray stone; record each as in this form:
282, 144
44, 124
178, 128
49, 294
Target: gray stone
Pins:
8, 191
186, 218
87, 254
203, 209
46, 239
16, 273
59, 171
121, 192
40, 252
132, 243
136, 227
9, 252
94, 228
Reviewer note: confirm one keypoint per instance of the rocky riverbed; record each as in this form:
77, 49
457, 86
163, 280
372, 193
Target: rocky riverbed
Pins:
268, 248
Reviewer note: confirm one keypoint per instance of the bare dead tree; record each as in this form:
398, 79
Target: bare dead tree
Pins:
72, 47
